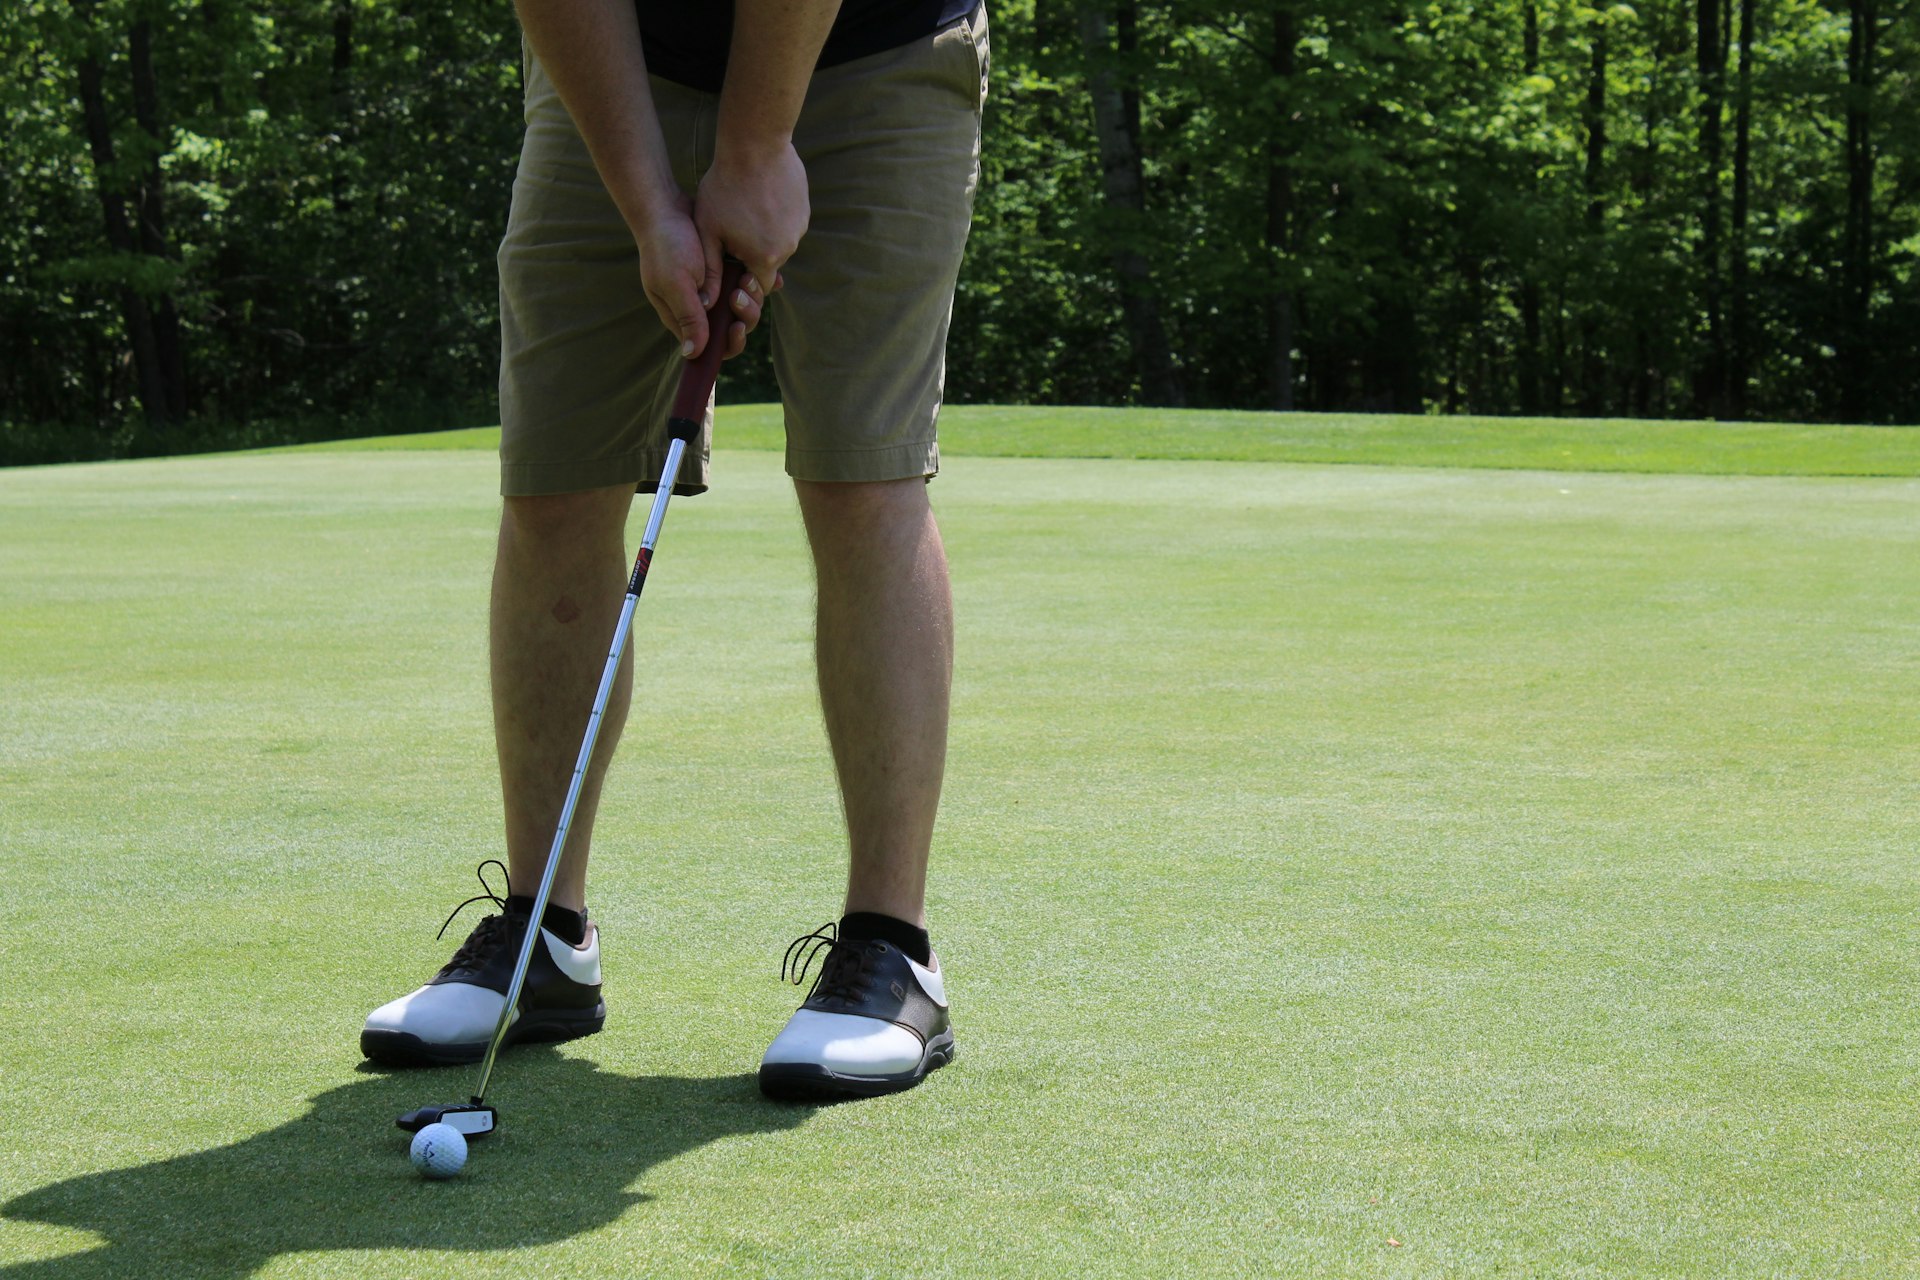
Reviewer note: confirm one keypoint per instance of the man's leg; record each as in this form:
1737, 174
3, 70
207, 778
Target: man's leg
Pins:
559, 581
884, 645
876, 1019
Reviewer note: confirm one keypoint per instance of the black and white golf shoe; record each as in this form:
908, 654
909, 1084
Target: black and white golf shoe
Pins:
875, 1022
452, 1018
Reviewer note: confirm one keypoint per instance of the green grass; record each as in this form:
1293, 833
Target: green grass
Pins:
1515, 865
1548, 444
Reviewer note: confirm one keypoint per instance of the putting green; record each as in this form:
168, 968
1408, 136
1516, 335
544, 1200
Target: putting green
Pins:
1376, 439
1344, 871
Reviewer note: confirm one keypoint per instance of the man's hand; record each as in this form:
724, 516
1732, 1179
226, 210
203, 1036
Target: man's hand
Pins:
592, 50
680, 271
756, 206
753, 199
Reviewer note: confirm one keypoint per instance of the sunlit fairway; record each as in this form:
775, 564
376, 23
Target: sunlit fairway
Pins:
1489, 866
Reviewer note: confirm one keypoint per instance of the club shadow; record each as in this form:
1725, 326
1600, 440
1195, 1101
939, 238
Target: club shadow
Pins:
573, 1140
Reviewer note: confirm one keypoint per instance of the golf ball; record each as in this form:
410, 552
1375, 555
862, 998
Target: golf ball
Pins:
439, 1151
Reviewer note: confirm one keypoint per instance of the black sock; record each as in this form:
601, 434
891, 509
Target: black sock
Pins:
569, 926
863, 925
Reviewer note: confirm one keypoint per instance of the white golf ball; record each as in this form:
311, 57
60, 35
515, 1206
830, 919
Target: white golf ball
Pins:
439, 1151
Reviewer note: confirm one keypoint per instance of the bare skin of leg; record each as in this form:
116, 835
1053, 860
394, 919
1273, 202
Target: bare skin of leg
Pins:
884, 645
559, 581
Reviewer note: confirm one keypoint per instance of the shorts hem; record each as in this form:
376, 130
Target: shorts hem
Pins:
918, 459
641, 469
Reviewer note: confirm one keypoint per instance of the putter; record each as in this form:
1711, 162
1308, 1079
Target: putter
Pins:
474, 1117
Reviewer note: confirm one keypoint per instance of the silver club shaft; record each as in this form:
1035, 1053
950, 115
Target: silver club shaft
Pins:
669, 474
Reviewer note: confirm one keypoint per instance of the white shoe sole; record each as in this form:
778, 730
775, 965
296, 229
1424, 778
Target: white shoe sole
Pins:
811, 1082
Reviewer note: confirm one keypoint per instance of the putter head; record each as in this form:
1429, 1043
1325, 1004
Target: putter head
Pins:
472, 1119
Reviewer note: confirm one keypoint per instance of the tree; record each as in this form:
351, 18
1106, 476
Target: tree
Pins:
1858, 247
229, 220
132, 193
1116, 116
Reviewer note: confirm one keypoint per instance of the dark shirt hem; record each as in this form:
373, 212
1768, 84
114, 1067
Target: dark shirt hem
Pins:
687, 44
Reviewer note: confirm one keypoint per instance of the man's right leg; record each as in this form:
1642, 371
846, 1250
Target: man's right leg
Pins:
587, 377
558, 586
559, 581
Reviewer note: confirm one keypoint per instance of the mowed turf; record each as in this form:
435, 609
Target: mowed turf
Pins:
1344, 871
1378, 439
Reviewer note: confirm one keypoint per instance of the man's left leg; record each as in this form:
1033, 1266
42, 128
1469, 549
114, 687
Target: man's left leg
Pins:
883, 643
891, 143
877, 1020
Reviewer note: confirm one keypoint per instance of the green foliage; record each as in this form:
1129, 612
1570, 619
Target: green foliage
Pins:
1448, 231
335, 178
1436, 179
1036, 317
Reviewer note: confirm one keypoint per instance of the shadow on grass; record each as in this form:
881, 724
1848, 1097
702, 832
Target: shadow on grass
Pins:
572, 1141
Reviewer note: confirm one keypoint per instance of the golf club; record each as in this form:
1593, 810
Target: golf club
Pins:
475, 1118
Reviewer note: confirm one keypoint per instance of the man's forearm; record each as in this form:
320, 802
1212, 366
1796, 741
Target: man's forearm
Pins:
775, 46
591, 50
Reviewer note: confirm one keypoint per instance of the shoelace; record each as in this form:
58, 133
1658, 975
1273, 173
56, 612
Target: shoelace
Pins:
844, 975
490, 933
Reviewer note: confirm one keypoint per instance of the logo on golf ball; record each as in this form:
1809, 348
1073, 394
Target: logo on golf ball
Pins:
439, 1151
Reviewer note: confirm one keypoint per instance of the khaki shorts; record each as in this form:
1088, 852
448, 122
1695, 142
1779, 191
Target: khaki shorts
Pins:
891, 144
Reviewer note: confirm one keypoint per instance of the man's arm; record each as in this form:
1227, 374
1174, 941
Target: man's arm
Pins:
754, 198
591, 49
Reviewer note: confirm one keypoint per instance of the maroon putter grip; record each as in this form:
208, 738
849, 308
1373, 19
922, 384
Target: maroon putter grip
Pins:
696, 380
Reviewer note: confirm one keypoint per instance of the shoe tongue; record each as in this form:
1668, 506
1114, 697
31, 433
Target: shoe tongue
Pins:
861, 927
569, 926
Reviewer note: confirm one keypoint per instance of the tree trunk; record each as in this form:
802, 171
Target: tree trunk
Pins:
1395, 363
1280, 310
210, 18
334, 327
1740, 370
342, 60
120, 238
1592, 372
340, 84
1126, 200
1709, 397
1554, 395
1857, 251
1530, 285
153, 217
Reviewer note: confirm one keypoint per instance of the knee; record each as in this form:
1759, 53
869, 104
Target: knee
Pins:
872, 527
566, 518
862, 504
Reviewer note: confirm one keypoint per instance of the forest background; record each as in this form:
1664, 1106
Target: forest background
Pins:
226, 222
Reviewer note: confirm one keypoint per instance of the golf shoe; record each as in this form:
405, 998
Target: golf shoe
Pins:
452, 1018
875, 1022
